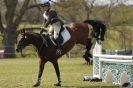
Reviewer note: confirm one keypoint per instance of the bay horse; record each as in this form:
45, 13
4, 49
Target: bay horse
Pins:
47, 50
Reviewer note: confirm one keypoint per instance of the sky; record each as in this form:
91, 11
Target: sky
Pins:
130, 2
99, 2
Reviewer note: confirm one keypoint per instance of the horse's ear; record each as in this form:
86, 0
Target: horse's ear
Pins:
22, 32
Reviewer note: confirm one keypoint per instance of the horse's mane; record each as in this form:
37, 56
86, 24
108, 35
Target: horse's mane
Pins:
34, 33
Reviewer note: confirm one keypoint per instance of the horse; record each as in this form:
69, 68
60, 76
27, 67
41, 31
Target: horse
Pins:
47, 50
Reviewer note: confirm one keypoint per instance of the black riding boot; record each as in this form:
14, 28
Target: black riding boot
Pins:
59, 48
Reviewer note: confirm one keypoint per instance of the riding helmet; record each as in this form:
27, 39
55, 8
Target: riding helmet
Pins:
46, 4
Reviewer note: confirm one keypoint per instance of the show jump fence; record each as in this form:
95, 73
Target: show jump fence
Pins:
117, 69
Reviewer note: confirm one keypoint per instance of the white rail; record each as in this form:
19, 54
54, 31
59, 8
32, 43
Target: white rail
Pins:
120, 57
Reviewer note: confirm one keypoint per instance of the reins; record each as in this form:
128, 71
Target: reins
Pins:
43, 42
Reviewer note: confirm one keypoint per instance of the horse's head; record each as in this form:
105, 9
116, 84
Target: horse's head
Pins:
23, 41
34, 39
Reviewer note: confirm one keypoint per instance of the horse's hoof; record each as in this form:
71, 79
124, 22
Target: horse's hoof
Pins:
57, 84
36, 85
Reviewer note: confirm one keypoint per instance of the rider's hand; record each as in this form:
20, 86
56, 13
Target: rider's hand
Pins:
42, 30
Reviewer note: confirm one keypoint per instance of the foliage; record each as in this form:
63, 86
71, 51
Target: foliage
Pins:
72, 10
119, 37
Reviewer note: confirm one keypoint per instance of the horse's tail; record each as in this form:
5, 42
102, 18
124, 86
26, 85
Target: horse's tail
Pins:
95, 23
98, 25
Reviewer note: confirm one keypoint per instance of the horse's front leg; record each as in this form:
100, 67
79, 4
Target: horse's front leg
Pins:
56, 67
41, 68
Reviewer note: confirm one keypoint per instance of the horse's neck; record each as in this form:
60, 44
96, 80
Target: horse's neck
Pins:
36, 41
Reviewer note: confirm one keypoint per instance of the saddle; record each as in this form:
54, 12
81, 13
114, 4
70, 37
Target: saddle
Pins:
64, 36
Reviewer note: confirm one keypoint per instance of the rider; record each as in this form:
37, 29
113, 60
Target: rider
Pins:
51, 17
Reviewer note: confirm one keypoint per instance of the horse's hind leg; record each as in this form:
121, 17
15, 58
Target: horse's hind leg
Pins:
56, 67
87, 54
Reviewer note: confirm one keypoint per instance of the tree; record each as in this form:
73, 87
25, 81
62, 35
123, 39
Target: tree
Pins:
12, 23
88, 4
75, 10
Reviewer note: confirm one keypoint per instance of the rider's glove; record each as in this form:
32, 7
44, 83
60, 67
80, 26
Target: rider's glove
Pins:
42, 30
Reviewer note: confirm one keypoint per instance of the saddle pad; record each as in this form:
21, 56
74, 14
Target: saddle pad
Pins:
66, 36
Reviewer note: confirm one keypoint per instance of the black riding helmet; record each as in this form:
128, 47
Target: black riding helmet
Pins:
45, 4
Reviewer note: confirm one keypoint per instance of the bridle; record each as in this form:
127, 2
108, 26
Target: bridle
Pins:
38, 49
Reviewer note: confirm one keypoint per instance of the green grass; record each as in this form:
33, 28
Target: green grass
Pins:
22, 73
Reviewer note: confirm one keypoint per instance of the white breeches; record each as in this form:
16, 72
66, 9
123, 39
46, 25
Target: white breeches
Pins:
56, 29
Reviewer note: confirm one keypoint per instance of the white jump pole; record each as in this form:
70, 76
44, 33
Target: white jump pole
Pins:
97, 50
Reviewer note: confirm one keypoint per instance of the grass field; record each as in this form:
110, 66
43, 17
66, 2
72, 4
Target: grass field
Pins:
22, 73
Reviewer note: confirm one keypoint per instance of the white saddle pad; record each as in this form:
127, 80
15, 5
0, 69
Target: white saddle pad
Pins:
66, 36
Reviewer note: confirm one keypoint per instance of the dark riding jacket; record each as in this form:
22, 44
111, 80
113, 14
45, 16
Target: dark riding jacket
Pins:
52, 17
